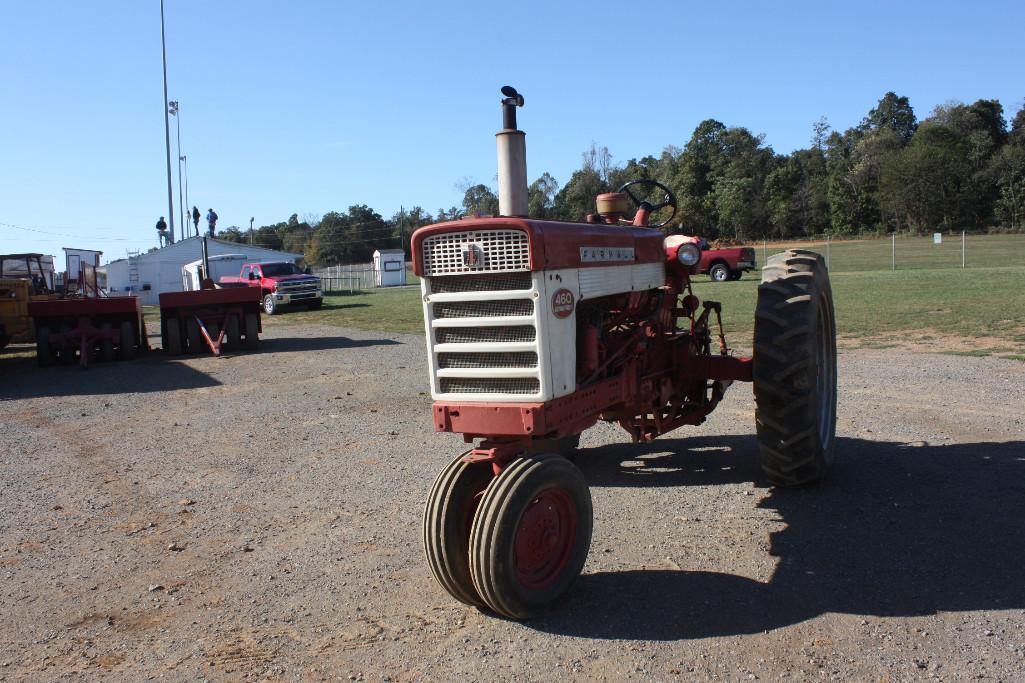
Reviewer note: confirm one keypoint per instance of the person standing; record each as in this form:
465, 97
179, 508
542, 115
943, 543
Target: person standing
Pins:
162, 232
195, 219
211, 221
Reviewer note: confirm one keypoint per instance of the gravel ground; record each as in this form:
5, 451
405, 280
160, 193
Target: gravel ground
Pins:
257, 517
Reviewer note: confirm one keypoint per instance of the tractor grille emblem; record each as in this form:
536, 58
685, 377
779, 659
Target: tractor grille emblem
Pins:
473, 256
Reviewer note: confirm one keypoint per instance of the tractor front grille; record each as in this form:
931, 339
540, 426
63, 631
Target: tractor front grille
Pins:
477, 335
484, 309
522, 359
463, 385
476, 251
481, 283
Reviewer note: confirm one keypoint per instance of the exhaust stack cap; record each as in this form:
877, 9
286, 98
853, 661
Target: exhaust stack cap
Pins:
512, 158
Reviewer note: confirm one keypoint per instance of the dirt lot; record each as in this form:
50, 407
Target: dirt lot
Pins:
258, 518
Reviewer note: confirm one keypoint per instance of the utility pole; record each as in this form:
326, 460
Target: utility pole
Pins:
173, 109
167, 127
251, 219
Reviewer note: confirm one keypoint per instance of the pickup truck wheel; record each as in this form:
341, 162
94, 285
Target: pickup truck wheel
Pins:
270, 306
173, 337
794, 369
736, 274
530, 535
195, 337
315, 304
719, 272
252, 331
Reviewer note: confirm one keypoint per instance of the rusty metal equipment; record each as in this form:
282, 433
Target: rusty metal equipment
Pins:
210, 319
88, 329
537, 330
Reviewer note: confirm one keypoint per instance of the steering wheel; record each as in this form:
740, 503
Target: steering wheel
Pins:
669, 199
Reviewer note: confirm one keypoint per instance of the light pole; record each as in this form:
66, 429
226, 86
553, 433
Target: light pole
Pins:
251, 230
172, 108
185, 225
167, 127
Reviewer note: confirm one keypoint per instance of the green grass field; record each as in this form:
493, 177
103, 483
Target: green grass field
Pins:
979, 310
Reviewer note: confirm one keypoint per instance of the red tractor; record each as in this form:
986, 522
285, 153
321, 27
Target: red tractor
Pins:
536, 330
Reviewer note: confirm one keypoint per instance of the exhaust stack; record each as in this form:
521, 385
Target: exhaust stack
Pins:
512, 158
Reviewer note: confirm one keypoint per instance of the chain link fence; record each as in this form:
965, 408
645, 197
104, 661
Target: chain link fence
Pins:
355, 277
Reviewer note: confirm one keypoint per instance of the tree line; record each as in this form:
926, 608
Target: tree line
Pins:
961, 168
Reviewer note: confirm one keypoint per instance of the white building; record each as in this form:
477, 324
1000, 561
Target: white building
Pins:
389, 267
149, 274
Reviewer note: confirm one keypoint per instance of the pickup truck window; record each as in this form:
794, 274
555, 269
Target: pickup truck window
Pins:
276, 269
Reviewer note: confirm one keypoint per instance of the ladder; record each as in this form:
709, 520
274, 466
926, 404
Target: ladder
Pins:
133, 270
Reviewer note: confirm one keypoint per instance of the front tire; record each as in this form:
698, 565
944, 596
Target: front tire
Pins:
530, 535
794, 369
448, 517
270, 306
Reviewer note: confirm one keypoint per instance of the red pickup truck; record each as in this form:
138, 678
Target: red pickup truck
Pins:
282, 283
725, 264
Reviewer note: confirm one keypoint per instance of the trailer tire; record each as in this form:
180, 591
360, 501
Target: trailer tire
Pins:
44, 352
719, 272
127, 340
270, 306
195, 337
794, 369
173, 336
252, 321
66, 351
233, 332
107, 343
448, 518
531, 535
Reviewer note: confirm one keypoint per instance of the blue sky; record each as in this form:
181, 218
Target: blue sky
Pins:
308, 107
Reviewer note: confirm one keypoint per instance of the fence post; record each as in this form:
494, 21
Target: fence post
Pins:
893, 251
962, 249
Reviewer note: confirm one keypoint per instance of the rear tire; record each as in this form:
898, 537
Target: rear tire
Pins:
127, 340
252, 331
107, 353
448, 518
530, 535
195, 337
719, 272
736, 274
794, 369
44, 353
66, 351
173, 337
233, 332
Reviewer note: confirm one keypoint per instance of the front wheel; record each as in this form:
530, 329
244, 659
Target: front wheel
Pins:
794, 369
270, 306
448, 517
530, 535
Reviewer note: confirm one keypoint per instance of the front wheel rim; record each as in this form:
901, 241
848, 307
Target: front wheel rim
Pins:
544, 539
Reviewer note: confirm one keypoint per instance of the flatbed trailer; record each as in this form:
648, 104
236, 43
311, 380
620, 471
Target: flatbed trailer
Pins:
88, 328
210, 319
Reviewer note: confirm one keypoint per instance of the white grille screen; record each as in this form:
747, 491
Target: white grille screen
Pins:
476, 251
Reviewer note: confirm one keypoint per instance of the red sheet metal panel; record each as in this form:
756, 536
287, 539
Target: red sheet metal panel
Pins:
211, 297
55, 308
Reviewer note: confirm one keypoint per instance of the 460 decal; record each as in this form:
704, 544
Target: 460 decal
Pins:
563, 303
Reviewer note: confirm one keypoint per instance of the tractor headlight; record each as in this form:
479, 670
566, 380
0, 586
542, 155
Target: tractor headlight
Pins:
688, 254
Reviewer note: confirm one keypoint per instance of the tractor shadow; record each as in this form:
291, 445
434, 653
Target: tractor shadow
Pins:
896, 530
